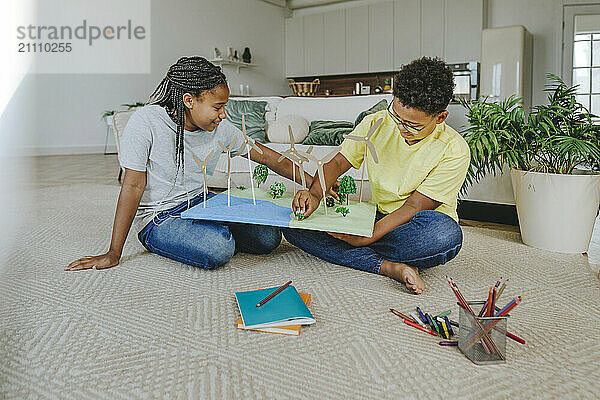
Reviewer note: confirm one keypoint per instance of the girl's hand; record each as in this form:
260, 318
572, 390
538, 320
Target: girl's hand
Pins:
305, 202
110, 259
354, 240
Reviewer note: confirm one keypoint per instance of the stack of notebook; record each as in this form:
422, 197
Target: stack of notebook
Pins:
285, 313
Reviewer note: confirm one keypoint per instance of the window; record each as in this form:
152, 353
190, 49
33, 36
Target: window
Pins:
586, 69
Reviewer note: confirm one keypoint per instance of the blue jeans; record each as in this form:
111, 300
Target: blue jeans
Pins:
204, 244
430, 238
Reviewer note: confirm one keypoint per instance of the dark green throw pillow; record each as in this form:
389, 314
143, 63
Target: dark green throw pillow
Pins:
328, 133
382, 105
254, 112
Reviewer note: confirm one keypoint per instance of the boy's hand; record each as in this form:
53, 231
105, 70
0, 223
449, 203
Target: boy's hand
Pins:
110, 259
305, 202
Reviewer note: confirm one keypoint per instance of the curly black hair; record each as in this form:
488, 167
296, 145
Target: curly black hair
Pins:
425, 84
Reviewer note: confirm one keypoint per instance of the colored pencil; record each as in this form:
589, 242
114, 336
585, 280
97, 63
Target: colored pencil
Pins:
487, 342
275, 293
409, 322
501, 289
398, 313
491, 324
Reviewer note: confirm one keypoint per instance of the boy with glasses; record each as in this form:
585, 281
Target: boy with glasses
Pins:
422, 166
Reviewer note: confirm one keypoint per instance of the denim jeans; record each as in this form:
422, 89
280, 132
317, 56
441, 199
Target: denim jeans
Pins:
430, 238
204, 244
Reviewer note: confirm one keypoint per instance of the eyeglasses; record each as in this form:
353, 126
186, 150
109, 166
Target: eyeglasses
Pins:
403, 125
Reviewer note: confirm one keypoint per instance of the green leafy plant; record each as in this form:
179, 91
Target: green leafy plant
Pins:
329, 201
277, 189
241, 187
261, 172
343, 210
129, 106
347, 186
553, 138
299, 216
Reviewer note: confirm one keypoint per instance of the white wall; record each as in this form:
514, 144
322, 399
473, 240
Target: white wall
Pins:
68, 106
543, 19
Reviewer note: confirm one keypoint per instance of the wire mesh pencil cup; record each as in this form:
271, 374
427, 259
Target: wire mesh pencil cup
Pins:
482, 339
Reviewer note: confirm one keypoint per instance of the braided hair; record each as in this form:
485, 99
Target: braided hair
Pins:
192, 75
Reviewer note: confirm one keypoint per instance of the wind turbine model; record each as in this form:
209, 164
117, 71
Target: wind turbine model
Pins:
300, 159
370, 146
202, 164
320, 163
248, 145
228, 151
292, 155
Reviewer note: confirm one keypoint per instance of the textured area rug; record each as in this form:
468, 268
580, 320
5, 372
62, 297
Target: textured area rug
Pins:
154, 328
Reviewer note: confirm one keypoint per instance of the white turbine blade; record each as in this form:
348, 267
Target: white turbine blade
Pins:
330, 156
197, 161
291, 137
374, 128
371, 148
307, 155
302, 175
255, 147
352, 137
208, 157
232, 144
285, 154
322, 179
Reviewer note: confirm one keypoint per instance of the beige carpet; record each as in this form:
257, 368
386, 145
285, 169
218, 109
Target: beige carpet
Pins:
153, 328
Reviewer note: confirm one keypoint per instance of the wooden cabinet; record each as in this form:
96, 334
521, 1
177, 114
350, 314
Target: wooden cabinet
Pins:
357, 39
407, 31
335, 42
463, 23
432, 28
313, 44
294, 47
382, 36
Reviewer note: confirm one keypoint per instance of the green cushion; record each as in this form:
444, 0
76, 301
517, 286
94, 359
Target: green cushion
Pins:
329, 133
382, 105
254, 112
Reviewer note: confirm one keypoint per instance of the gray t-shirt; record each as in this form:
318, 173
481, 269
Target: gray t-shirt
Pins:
148, 144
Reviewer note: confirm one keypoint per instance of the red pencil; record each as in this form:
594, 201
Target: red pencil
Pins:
409, 322
275, 293
398, 313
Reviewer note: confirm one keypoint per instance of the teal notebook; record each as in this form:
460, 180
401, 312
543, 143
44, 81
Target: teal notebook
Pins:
286, 308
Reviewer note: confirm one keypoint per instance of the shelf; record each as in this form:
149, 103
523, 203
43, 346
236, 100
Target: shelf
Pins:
236, 64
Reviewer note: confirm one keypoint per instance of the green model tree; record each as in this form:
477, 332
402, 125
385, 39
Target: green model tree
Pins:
342, 210
299, 216
347, 186
261, 172
277, 189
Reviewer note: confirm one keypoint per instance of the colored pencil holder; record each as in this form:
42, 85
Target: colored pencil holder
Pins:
482, 339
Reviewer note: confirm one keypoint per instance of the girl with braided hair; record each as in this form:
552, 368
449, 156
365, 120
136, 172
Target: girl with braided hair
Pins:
185, 117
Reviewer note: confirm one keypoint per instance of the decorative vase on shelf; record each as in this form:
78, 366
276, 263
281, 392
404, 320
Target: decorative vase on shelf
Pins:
235, 56
246, 56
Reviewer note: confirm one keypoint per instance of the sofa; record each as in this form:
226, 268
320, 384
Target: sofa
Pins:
311, 109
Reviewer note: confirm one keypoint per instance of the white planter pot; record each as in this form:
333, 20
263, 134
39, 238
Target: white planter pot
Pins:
556, 212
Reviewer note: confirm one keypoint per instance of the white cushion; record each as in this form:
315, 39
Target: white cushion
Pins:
329, 108
277, 131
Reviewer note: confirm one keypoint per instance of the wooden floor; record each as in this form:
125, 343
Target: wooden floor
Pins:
103, 169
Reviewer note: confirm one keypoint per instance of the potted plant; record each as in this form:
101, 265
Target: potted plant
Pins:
549, 153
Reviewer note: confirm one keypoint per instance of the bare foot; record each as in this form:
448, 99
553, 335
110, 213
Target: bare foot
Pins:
405, 274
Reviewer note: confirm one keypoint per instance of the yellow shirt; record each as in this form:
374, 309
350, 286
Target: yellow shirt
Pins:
436, 166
